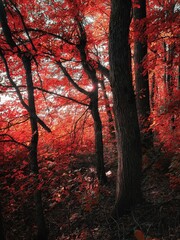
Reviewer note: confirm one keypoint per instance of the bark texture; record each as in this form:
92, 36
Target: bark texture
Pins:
25, 57
109, 113
141, 76
2, 235
98, 137
140, 52
128, 191
40, 220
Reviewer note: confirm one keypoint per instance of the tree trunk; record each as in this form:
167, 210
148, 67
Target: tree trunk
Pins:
40, 221
178, 78
141, 78
109, 113
153, 92
128, 192
94, 111
91, 73
170, 56
2, 235
98, 137
26, 60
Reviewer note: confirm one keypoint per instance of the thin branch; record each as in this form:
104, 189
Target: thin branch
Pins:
19, 94
12, 140
5, 27
88, 68
50, 34
71, 80
62, 96
103, 70
24, 25
9, 124
12, 82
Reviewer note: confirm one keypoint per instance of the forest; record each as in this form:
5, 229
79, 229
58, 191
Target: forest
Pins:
89, 113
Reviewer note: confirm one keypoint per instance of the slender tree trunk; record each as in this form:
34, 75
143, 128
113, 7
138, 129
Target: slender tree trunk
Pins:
141, 77
178, 78
98, 137
26, 60
94, 110
108, 111
169, 80
128, 192
2, 235
40, 221
153, 92
91, 73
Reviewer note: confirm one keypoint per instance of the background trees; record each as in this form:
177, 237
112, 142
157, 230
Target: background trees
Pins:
140, 73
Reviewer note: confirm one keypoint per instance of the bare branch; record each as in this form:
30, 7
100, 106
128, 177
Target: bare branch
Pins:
71, 80
103, 70
10, 124
50, 34
19, 93
5, 27
62, 96
24, 25
11, 139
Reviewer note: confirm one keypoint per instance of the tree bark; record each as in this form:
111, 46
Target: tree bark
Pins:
109, 113
141, 77
128, 191
2, 235
94, 111
40, 221
34, 120
91, 73
98, 137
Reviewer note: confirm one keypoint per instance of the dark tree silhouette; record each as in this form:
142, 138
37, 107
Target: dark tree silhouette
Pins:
128, 134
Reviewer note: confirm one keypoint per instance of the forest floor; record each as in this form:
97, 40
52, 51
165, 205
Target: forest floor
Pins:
81, 210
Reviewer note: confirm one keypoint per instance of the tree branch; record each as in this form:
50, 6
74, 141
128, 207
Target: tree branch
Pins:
12, 140
88, 68
71, 80
103, 70
24, 25
19, 93
50, 34
5, 27
62, 96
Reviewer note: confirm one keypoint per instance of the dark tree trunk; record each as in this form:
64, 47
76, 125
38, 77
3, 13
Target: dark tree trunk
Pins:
91, 73
128, 192
98, 137
141, 77
40, 221
109, 113
170, 56
34, 120
2, 235
153, 92
178, 78
94, 110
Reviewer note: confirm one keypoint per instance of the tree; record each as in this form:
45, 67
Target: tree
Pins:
108, 111
2, 236
163, 62
25, 57
141, 74
93, 106
77, 47
128, 191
